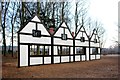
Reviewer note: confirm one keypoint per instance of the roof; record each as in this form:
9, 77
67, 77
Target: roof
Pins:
80, 29
30, 20
63, 24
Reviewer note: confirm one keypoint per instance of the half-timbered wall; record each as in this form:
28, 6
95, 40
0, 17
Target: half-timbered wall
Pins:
94, 46
81, 46
62, 45
26, 40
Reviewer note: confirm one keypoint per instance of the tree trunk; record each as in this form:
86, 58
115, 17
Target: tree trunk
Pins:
76, 18
4, 42
12, 39
3, 25
62, 11
38, 7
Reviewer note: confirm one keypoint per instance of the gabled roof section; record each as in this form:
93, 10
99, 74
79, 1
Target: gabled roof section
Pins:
25, 24
81, 29
64, 25
94, 33
35, 18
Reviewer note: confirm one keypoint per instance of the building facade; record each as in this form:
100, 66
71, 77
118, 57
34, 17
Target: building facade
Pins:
37, 45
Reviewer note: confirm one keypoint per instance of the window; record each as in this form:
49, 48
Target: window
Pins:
64, 36
94, 50
80, 50
39, 50
63, 50
95, 40
36, 33
82, 39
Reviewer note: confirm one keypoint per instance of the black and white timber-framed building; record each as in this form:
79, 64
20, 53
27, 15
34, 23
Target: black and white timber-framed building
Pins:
37, 45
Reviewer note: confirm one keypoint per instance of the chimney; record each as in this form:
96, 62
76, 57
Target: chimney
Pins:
51, 30
73, 34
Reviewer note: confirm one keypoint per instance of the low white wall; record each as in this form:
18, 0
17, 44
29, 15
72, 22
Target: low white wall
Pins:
36, 60
56, 59
47, 60
77, 57
92, 57
64, 58
97, 56
83, 57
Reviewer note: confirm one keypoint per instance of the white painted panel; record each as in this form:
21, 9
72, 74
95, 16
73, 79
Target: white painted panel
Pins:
87, 53
77, 57
62, 42
30, 39
83, 57
84, 35
72, 58
92, 57
98, 50
47, 60
36, 60
82, 29
93, 37
55, 50
49, 50
28, 28
64, 58
75, 50
43, 29
68, 33
64, 25
90, 50
56, 59
97, 56
71, 50
23, 55
79, 43
36, 19
80, 35
59, 32
94, 44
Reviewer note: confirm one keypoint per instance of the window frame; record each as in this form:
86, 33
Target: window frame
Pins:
83, 52
65, 49
62, 36
42, 51
95, 51
36, 33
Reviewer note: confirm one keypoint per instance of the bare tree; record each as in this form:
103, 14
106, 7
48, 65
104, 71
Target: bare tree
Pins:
5, 6
80, 14
13, 17
100, 31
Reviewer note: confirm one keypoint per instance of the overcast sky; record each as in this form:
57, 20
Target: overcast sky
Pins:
106, 11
